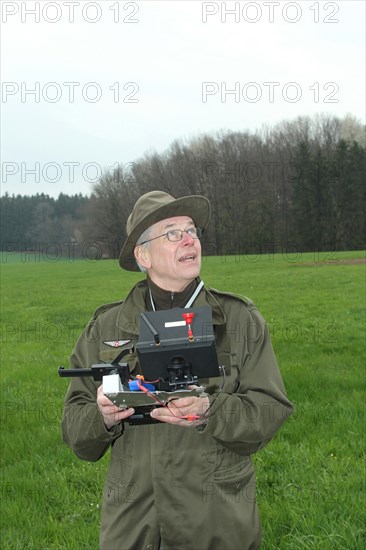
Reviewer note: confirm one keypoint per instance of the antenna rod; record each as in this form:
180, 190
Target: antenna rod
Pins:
153, 330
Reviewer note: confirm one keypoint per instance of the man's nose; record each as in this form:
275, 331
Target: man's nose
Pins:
187, 238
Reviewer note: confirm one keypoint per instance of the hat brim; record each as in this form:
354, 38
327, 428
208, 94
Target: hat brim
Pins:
196, 207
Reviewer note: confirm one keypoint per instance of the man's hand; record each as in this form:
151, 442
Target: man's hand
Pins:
190, 408
111, 413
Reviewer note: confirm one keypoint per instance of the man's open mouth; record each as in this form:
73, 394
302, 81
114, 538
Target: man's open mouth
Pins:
188, 258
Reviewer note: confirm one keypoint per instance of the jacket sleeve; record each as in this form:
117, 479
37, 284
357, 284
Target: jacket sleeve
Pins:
245, 421
83, 428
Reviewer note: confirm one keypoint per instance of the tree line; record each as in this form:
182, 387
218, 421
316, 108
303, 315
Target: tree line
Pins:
299, 185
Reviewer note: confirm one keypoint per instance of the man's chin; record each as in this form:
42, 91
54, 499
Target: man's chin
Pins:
191, 271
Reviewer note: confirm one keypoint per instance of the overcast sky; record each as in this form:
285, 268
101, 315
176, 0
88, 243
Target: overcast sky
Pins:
87, 85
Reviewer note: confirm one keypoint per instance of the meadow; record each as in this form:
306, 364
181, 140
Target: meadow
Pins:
311, 477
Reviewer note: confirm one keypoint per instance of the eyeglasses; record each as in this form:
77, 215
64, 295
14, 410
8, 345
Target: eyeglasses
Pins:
175, 235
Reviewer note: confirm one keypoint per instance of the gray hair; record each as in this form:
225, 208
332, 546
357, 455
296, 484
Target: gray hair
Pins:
145, 236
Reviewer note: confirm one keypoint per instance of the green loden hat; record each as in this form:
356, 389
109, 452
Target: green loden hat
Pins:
154, 207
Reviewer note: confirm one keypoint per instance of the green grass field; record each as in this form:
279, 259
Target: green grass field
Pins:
311, 477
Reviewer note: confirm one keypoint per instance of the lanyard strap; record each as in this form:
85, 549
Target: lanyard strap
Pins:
190, 301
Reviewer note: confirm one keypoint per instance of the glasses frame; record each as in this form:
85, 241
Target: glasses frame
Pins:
181, 231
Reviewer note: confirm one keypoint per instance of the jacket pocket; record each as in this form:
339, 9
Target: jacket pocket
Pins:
240, 466
120, 466
117, 492
236, 482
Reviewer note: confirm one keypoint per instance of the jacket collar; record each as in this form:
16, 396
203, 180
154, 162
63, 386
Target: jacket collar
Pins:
128, 318
165, 299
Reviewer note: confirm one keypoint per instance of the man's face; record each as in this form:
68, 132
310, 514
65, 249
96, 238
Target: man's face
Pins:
172, 265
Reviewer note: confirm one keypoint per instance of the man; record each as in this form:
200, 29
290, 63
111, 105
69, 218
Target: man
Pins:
176, 483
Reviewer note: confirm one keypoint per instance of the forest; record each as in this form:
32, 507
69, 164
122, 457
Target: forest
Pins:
298, 186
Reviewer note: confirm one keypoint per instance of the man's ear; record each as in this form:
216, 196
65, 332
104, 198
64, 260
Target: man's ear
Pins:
142, 256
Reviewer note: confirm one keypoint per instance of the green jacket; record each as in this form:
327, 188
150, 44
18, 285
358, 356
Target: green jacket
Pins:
194, 489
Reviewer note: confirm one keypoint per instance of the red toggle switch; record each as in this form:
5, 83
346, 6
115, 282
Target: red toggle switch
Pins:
188, 318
